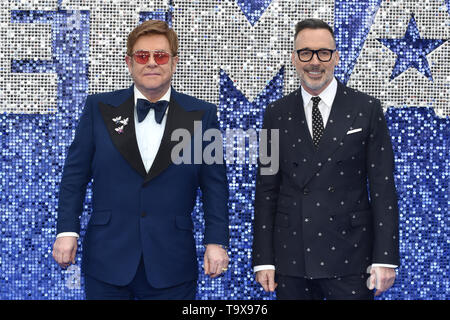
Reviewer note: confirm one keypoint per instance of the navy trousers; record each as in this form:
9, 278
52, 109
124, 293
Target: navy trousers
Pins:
138, 289
340, 288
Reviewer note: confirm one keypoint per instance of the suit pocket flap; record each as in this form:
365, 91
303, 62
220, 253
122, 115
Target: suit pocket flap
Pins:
100, 217
184, 223
360, 218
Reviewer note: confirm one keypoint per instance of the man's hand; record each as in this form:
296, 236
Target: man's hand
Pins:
215, 260
266, 279
381, 278
64, 251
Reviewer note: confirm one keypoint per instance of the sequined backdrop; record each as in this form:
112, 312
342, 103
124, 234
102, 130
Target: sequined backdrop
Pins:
236, 54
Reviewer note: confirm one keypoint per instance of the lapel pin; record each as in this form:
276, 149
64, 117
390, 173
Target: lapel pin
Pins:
119, 129
117, 120
123, 122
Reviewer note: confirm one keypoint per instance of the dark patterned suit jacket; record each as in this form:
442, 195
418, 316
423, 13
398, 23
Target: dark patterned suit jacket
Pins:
330, 211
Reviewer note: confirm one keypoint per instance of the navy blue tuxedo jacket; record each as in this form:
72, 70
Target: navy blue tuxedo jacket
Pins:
137, 213
329, 211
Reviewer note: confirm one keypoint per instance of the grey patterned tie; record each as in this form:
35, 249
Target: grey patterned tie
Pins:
317, 122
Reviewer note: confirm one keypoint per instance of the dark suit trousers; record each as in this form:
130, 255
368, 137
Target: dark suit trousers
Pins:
341, 288
138, 289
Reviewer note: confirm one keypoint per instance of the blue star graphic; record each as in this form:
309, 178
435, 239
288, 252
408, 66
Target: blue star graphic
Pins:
253, 9
411, 51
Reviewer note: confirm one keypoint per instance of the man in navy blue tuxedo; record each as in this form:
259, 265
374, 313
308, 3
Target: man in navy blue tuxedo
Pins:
139, 241
329, 215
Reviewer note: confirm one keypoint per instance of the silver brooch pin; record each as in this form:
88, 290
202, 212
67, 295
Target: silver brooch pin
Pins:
119, 129
123, 122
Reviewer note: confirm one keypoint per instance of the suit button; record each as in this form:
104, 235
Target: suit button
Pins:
143, 214
305, 191
331, 188
339, 162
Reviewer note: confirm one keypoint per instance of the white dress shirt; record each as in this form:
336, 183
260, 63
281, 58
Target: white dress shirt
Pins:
326, 101
149, 132
148, 135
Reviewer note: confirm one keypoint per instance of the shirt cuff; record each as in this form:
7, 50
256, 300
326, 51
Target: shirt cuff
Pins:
67, 234
263, 267
393, 266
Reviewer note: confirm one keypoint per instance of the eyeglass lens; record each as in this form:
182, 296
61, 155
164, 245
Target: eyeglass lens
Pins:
142, 57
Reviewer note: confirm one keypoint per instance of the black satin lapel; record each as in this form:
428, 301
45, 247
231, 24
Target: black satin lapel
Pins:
125, 142
177, 118
341, 118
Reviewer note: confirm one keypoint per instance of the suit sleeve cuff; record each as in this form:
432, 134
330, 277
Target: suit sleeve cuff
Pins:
263, 267
67, 234
384, 265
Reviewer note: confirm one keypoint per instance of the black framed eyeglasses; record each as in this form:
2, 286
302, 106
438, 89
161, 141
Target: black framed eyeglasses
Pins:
323, 55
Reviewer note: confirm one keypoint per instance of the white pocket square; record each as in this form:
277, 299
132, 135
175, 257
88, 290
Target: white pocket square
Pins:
354, 131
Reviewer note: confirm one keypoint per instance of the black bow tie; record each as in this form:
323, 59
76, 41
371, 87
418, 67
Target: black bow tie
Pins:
143, 107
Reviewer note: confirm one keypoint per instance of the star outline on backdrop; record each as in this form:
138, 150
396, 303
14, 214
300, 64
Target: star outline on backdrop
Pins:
411, 51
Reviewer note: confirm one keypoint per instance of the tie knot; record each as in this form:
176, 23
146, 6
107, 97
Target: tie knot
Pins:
315, 100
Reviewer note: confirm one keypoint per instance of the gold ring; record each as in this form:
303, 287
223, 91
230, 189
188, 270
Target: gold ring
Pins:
224, 269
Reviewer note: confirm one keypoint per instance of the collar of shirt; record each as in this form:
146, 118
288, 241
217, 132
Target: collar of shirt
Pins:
139, 95
326, 101
148, 132
326, 96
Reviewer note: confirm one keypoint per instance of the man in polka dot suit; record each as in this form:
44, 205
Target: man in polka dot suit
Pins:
326, 223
